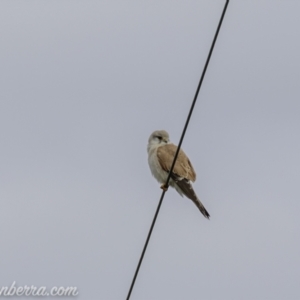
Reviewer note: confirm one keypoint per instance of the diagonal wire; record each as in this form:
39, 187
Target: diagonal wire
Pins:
178, 148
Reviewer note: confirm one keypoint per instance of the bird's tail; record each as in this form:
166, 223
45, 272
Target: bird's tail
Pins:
185, 188
201, 208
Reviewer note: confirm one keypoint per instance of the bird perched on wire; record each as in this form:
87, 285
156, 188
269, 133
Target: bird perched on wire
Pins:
160, 157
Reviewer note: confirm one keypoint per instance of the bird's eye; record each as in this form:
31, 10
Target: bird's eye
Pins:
159, 137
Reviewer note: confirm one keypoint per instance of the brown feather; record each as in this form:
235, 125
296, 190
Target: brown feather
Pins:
183, 166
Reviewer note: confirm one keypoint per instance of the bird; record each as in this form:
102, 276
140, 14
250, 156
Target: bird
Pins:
160, 157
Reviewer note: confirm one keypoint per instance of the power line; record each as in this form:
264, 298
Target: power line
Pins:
178, 148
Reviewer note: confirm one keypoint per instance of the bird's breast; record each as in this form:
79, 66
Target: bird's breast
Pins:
155, 166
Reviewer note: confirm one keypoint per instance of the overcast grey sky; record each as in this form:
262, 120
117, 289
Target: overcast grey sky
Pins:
84, 84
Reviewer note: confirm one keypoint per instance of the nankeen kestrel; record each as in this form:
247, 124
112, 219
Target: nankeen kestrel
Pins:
160, 157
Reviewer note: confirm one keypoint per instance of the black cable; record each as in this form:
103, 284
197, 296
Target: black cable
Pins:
178, 148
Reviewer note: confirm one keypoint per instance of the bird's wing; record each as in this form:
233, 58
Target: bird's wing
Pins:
183, 167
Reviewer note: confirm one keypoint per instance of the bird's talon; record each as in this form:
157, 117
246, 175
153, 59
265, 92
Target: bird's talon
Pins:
163, 187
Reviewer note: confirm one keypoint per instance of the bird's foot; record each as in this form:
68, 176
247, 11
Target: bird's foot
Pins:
163, 187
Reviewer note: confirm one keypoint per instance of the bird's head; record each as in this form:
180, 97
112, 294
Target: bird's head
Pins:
157, 138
